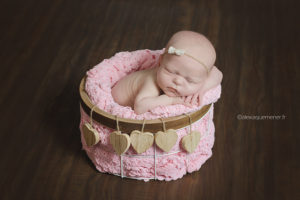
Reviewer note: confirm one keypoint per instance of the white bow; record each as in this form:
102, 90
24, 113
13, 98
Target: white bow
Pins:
178, 52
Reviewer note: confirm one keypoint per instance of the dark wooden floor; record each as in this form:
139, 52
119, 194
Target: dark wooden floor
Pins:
47, 46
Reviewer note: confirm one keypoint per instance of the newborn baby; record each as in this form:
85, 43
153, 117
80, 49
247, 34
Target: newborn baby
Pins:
184, 73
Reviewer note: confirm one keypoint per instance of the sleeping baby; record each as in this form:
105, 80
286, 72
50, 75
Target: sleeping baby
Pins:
184, 73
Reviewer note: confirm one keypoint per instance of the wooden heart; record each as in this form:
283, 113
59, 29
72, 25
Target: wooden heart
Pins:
191, 141
141, 141
166, 140
90, 134
119, 141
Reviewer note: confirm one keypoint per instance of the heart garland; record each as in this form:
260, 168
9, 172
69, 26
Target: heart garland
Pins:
191, 141
91, 136
141, 141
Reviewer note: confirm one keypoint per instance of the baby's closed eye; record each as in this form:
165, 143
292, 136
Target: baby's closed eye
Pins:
171, 71
190, 80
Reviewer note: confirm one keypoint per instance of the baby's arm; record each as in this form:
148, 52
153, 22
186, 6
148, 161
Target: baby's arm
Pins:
147, 103
148, 97
214, 78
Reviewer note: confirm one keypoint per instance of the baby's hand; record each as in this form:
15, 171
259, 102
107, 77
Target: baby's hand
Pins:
177, 100
195, 99
180, 100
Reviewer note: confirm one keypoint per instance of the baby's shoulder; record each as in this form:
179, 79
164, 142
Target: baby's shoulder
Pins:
148, 85
150, 78
145, 76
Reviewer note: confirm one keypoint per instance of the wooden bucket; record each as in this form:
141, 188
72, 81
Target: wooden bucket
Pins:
128, 125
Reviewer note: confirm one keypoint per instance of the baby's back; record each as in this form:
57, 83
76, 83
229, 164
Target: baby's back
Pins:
126, 89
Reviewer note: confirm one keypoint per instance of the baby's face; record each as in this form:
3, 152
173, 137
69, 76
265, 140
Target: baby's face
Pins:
180, 76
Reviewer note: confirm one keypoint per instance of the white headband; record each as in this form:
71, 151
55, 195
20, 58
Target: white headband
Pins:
179, 52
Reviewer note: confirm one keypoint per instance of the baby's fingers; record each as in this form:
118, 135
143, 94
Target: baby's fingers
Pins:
188, 99
200, 100
177, 100
195, 99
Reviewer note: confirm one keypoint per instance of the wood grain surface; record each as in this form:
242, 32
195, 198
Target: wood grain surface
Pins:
47, 46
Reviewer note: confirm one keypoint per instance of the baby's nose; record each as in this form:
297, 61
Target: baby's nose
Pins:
177, 80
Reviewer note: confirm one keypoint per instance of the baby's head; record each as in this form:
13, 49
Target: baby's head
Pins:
183, 75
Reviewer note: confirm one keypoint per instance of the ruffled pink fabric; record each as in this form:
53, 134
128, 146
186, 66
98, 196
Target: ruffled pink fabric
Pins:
99, 82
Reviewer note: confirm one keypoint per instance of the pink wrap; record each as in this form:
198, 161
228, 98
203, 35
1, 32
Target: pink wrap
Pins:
153, 163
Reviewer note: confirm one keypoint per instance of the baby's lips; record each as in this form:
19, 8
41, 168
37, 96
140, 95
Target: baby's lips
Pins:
173, 90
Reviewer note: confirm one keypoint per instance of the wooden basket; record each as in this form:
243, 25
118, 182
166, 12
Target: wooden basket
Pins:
128, 125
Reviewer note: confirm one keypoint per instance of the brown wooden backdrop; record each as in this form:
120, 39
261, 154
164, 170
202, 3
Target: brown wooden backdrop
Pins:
47, 46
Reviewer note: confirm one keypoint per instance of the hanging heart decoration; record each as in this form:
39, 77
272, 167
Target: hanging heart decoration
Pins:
141, 141
166, 140
91, 136
119, 141
191, 141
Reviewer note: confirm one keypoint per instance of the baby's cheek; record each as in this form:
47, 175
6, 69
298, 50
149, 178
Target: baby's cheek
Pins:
163, 78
